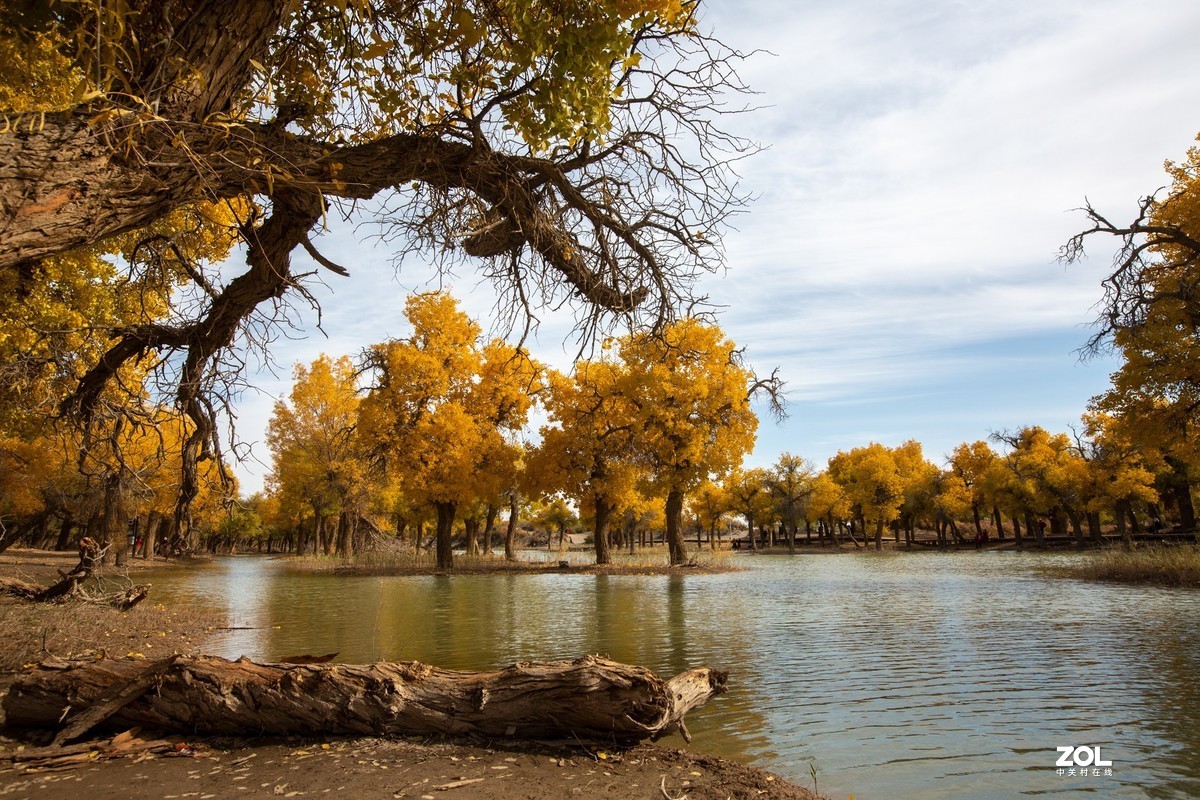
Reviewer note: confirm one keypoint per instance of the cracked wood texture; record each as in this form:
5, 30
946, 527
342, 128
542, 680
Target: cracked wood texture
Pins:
589, 698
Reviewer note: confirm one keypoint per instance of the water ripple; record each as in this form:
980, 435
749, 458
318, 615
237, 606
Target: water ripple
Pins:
898, 676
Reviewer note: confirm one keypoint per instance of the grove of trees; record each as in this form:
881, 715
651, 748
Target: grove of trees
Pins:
652, 433
572, 152
437, 421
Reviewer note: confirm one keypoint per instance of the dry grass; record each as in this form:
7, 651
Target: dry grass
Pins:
32, 632
1164, 565
406, 562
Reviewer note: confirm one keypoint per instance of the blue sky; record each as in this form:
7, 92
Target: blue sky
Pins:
898, 264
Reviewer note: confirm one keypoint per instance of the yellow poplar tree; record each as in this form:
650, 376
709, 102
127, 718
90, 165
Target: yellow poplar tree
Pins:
749, 495
1050, 478
60, 316
919, 479
444, 409
550, 139
828, 504
709, 505
1151, 317
317, 456
1123, 470
790, 483
690, 395
872, 484
585, 451
970, 462
951, 499
1154, 412
1003, 492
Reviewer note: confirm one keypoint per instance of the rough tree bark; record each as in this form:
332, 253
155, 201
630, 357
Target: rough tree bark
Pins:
489, 527
674, 513
445, 531
589, 698
603, 512
510, 535
1181, 491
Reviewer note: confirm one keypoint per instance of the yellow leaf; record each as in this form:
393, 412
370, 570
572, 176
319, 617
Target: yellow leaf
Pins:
377, 50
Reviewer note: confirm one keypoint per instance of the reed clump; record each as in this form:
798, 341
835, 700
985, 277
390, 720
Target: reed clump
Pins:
384, 561
1163, 565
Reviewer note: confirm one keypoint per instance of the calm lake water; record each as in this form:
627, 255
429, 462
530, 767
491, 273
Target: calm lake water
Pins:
893, 675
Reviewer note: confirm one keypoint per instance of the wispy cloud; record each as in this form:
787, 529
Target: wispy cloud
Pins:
924, 162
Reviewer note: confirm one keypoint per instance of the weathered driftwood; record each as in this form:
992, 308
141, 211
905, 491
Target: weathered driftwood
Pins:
70, 583
21, 589
589, 698
60, 758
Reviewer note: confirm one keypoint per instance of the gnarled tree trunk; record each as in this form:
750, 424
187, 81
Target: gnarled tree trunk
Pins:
589, 698
445, 531
674, 513
603, 511
510, 534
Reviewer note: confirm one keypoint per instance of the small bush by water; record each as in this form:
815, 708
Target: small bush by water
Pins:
1170, 565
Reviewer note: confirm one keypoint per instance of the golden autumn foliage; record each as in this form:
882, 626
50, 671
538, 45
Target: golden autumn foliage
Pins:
405, 67
689, 396
748, 494
1069, 480
708, 505
131, 473
155, 136
970, 462
871, 483
53, 330
828, 502
317, 461
443, 409
951, 498
36, 74
655, 420
58, 319
1151, 318
548, 66
586, 450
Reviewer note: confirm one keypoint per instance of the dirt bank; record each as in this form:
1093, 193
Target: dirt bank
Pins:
373, 768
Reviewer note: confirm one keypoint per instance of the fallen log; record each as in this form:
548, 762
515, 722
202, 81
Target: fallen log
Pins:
123, 601
90, 554
589, 698
70, 585
20, 589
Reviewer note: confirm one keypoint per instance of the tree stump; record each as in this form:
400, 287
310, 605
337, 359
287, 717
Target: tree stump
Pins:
589, 698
